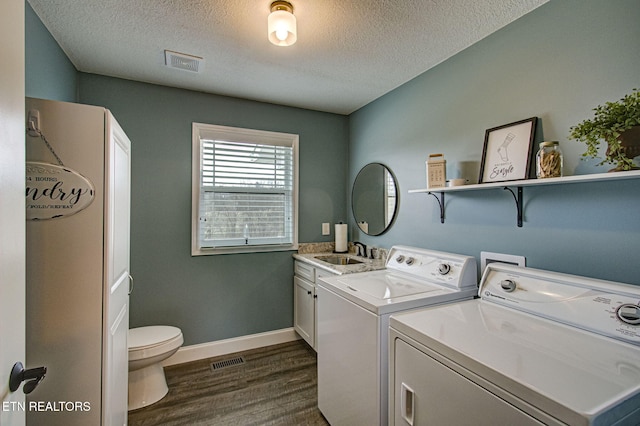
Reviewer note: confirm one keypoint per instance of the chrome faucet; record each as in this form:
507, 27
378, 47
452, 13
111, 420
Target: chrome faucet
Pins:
361, 249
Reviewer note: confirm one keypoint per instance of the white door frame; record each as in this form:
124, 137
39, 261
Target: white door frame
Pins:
12, 207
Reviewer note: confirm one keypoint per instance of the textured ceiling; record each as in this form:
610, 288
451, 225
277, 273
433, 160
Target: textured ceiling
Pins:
348, 53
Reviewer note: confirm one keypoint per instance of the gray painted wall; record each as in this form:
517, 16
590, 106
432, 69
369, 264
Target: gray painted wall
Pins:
556, 63
208, 297
222, 296
50, 74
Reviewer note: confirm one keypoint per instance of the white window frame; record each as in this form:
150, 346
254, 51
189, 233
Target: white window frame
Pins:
236, 134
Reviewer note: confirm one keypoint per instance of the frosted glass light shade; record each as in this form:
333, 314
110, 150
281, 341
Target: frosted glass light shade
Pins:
282, 27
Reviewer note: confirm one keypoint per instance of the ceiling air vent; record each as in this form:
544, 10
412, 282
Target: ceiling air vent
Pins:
182, 61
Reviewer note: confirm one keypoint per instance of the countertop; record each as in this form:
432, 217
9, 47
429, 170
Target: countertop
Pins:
366, 265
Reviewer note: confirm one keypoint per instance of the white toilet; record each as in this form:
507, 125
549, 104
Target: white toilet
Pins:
148, 347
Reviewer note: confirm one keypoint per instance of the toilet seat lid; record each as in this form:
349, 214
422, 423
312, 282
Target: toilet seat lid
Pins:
144, 337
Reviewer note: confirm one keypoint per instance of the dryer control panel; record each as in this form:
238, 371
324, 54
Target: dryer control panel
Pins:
452, 270
604, 307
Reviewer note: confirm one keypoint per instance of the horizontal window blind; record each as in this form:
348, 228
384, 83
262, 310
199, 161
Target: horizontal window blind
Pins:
246, 194
390, 193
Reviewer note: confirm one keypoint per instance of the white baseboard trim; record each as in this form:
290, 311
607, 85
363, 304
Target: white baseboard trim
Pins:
229, 346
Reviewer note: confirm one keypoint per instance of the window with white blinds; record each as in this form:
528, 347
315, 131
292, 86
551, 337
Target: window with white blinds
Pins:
245, 190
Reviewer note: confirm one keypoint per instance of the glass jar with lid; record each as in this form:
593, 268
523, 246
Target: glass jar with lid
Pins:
549, 160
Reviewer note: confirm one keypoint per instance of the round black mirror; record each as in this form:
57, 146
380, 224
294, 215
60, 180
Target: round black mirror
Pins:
374, 199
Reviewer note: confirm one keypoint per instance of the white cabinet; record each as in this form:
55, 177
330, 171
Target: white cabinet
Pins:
304, 309
304, 300
117, 278
78, 272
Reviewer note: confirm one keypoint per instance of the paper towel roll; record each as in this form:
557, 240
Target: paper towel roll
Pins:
341, 238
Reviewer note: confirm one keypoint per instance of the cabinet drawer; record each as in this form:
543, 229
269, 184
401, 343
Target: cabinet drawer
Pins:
305, 271
321, 273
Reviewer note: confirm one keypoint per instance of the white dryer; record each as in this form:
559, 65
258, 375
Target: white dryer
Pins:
538, 348
353, 326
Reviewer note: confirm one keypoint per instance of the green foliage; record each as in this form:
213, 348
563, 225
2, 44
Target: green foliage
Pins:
609, 121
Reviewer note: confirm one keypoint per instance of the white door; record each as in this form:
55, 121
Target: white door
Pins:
12, 210
115, 373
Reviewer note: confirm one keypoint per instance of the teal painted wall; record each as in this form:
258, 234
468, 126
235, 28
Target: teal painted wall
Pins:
222, 296
556, 63
49, 74
209, 297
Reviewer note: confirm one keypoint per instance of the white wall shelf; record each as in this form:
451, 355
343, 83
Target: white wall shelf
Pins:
520, 184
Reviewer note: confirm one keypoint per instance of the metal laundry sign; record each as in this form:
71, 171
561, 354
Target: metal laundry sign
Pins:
55, 191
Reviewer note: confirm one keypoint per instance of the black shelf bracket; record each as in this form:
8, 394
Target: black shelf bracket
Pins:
518, 200
441, 203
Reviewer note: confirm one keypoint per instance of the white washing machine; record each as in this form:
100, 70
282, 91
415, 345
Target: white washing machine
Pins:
537, 348
353, 326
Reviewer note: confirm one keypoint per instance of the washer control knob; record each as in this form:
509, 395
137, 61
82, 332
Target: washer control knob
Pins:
508, 285
400, 259
629, 314
444, 268
410, 261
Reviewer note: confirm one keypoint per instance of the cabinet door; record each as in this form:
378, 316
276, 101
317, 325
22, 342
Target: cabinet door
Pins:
117, 222
304, 309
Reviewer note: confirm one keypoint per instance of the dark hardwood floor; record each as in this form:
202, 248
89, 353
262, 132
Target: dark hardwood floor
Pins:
276, 385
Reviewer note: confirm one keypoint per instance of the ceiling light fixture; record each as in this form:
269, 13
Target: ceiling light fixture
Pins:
282, 24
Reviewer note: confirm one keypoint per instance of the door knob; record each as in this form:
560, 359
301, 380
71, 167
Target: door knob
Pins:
32, 377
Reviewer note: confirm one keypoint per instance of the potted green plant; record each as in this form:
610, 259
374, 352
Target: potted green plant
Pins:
617, 124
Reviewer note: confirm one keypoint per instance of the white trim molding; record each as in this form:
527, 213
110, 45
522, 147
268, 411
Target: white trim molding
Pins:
275, 151
229, 346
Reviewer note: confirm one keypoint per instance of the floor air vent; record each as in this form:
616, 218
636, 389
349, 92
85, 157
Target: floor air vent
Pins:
227, 363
